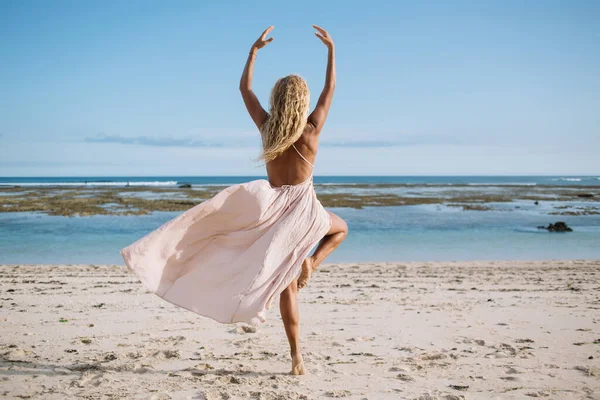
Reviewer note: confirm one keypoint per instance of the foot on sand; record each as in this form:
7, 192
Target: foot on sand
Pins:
298, 365
307, 270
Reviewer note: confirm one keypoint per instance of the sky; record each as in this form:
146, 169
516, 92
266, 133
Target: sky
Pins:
151, 88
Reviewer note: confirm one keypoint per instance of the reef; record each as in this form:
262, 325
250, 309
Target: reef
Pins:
132, 200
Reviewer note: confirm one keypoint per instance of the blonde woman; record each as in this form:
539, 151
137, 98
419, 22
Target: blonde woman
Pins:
228, 257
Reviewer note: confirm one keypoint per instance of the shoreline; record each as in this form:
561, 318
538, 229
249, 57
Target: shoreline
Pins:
505, 263
418, 330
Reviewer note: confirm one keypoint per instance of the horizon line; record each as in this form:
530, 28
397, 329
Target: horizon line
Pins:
341, 176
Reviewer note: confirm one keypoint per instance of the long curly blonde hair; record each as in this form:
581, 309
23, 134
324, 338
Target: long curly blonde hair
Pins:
289, 104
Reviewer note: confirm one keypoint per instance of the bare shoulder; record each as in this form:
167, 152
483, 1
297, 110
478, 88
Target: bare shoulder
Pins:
310, 138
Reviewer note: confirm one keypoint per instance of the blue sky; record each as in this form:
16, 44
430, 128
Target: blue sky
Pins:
423, 88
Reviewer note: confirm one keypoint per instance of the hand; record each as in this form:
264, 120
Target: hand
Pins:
324, 36
261, 42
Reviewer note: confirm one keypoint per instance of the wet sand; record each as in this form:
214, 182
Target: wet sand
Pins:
472, 330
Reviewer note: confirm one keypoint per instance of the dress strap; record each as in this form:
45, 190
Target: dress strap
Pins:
304, 158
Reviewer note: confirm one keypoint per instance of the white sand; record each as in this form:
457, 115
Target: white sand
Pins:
476, 330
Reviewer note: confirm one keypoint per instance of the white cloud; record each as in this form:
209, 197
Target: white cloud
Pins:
50, 158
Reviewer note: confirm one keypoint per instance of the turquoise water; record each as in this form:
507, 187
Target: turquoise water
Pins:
411, 233
408, 233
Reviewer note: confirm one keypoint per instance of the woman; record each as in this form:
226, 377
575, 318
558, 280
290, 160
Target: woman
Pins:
228, 257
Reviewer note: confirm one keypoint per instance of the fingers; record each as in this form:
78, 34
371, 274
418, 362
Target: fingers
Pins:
266, 32
323, 31
269, 29
269, 40
322, 38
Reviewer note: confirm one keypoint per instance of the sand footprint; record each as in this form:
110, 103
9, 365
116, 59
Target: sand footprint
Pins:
89, 378
140, 368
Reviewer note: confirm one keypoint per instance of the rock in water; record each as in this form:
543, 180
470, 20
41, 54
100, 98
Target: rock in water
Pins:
185, 186
557, 227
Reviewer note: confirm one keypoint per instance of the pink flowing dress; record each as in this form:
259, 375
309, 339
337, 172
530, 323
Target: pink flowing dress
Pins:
228, 257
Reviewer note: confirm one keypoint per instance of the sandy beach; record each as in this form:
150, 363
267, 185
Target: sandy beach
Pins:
437, 330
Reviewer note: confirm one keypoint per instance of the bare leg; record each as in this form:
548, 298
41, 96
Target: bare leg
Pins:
289, 313
336, 235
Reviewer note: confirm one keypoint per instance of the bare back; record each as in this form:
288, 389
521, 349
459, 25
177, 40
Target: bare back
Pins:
289, 168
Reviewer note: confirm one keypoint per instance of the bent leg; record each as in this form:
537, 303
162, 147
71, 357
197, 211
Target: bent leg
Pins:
336, 235
288, 307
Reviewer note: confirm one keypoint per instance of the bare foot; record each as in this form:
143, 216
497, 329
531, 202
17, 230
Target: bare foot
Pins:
298, 365
307, 270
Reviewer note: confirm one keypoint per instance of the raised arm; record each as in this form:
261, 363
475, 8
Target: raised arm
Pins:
319, 115
258, 114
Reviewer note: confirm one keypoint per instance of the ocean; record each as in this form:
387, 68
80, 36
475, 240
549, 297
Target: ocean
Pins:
416, 232
165, 181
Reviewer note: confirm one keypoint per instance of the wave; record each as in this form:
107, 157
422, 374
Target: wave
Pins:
93, 183
504, 184
345, 183
567, 179
205, 185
